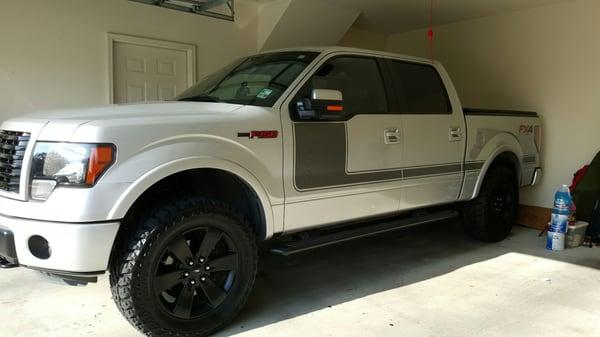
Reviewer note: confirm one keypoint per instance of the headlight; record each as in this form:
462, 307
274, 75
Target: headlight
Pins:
69, 164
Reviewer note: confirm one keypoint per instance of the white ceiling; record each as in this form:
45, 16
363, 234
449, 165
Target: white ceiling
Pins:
395, 16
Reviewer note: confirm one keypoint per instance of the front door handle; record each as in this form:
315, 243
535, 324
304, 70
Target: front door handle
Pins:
455, 134
391, 136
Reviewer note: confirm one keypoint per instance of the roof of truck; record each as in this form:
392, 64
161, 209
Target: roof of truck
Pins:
338, 49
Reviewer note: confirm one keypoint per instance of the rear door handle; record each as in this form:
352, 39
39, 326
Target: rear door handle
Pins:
391, 136
455, 134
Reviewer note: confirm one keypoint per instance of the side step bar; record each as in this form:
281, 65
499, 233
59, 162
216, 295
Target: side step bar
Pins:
366, 230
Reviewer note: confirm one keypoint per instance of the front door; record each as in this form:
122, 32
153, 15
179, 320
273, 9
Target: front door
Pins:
338, 169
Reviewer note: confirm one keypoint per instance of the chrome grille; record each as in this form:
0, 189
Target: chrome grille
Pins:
12, 152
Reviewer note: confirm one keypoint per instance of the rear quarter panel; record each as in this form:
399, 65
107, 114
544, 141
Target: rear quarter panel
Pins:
488, 136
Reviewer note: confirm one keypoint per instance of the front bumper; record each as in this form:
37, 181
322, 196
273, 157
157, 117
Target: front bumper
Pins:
72, 247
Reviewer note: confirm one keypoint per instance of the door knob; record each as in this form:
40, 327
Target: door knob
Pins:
391, 136
455, 134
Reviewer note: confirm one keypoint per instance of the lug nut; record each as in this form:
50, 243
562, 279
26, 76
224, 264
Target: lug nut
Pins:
203, 279
186, 274
191, 263
201, 260
192, 282
207, 268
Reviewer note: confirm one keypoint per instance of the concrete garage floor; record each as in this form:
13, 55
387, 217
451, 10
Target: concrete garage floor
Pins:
426, 281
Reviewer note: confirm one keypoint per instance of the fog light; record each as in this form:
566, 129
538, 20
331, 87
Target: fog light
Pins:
41, 189
39, 247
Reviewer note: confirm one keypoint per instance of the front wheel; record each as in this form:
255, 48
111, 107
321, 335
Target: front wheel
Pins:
490, 216
187, 271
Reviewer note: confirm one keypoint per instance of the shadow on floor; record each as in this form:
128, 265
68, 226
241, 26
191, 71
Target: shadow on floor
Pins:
287, 287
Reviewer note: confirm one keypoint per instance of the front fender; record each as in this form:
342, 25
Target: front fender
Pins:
137, 188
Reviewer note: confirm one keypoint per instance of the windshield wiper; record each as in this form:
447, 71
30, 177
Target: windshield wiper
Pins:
201, 98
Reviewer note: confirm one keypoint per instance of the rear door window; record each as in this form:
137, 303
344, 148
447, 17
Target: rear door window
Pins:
419, 89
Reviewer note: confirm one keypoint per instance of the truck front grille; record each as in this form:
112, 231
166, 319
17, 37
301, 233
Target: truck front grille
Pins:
12, 152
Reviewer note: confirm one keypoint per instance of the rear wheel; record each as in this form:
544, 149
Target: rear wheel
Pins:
187, 271
490, 217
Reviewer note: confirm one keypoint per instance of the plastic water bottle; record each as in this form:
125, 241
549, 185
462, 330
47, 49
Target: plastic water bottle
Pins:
559, 222
562, 201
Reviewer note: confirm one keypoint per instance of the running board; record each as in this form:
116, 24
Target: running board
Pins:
289, 248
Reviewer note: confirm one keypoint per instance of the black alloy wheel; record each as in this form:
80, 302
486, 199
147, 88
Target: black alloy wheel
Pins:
185, 269
195, 272
501, 204
490, 216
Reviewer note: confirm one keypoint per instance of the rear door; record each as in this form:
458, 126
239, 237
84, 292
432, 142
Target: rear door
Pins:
338, 169
433, 133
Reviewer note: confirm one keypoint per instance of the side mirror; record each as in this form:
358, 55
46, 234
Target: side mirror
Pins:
327, 95
324, 104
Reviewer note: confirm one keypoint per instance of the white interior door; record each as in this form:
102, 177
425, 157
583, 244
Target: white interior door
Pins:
144, 73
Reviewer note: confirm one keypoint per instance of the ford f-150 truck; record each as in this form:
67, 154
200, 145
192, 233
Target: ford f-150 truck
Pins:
302, 147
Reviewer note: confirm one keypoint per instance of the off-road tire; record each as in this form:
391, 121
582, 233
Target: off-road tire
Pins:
133, 266
490, 216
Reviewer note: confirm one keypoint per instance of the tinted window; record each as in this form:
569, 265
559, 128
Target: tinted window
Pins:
419, 88
359, 80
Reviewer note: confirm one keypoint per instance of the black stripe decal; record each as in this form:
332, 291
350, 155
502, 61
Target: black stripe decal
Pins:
320, 160
431, 170
470, 166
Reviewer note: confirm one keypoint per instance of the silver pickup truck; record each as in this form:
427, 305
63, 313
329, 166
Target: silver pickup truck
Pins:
302, 147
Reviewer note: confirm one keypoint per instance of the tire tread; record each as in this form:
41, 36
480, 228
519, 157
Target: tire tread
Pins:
125, 257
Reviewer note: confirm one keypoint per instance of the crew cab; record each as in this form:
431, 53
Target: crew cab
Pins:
301, 147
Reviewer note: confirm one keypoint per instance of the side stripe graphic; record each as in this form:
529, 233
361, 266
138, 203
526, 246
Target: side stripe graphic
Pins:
528, 159
320, 160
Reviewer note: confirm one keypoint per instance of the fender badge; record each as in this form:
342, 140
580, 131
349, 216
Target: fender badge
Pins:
259, 134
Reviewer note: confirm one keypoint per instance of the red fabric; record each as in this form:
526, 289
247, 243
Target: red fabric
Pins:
577, 177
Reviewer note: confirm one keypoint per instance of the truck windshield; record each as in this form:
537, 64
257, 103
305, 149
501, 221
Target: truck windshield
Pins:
257, 80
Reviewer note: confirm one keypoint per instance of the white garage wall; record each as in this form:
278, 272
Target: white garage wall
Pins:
544, 59
53, 54
360, 38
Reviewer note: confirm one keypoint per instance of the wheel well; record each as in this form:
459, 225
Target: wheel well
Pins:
510, 160
209, 183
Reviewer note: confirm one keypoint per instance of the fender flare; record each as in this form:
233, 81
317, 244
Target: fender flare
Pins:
138, 187
515, 149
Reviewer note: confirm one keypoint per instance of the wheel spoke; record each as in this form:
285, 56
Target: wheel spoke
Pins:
213, 292
181, 250
167, 281
210, 240
224, 263
185, 301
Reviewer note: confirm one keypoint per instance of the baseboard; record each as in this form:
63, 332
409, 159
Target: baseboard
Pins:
533, 216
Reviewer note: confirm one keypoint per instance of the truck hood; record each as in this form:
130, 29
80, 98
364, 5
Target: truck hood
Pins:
60, 125
128, 111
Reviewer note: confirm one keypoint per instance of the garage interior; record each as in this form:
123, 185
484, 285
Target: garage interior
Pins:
534, 55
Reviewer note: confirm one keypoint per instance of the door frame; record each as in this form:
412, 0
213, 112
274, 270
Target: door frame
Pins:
112, 38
